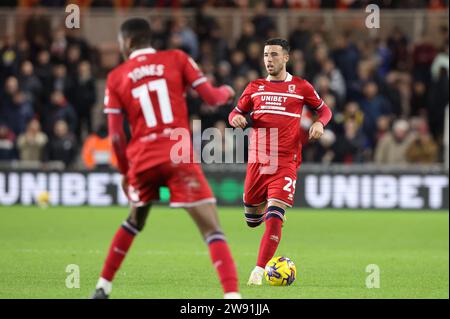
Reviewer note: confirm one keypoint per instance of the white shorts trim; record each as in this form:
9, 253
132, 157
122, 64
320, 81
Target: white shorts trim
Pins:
193, 204
280, 201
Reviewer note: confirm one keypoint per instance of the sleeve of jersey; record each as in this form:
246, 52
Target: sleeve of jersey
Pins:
244, 105
113, 109
112, 103
312, 99
192, 74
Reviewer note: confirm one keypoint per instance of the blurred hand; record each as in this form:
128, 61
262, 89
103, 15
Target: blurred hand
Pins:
239, 121
316, 130
232, 92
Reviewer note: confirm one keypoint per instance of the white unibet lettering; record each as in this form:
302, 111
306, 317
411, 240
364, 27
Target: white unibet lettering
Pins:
366, 191
54, 188
180, 152
97, 183
73, 189
32, 185
122, 199
409, 188
345, 191
9, 195
436, 185
385, 191
212, 151
318, 195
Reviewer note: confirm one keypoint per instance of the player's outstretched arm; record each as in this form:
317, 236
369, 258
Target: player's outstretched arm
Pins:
215, 96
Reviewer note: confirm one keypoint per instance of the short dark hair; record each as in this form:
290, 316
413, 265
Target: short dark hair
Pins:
279, 41
138, 31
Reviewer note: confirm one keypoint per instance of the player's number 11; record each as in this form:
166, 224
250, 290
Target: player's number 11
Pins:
142, 93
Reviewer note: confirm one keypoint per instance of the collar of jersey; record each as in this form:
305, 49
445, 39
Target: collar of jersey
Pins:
288, 78
141, 51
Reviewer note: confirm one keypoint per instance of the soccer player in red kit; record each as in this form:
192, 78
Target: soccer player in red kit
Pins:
275, 102
148, 89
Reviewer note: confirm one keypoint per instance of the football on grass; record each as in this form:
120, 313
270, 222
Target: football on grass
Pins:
280, 271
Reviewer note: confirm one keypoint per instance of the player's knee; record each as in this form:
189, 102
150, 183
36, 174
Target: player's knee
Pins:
275, 212
254, 220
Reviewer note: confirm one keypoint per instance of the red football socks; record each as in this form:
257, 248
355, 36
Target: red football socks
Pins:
119, 247
223, 262
272, 236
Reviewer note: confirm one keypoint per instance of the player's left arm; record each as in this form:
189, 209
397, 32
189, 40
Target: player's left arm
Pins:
116, 132
312, 99
194, 77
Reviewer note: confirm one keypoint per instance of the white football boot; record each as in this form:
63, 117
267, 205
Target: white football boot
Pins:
256, 276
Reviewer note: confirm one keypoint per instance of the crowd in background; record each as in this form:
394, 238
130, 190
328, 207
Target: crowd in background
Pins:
276, 4
388, 95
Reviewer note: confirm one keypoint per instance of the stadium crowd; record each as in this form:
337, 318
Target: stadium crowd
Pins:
275, 4
388, 95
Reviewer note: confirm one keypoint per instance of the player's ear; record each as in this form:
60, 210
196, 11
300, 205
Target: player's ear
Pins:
286, 57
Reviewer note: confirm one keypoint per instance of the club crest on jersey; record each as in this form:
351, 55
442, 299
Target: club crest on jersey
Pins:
261, 88
291, 88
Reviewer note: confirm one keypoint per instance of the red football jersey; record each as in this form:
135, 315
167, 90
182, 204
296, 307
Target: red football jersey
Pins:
149, 89
278, 104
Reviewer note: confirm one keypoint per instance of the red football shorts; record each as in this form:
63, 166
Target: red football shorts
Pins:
186, 182
279, 185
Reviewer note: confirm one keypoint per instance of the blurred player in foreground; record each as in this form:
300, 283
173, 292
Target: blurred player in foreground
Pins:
274, 102
149, 89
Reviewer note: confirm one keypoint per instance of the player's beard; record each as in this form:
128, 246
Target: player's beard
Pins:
275, 71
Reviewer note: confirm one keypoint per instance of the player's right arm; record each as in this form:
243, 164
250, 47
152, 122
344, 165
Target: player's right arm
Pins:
245, 104
113, 109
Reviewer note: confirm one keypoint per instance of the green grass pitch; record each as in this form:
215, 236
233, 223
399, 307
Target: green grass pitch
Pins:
331, 250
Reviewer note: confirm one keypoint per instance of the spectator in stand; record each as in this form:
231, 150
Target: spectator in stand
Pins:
62, 146
73, 59
398, 43
373, 106
31, 144
239, 66
97, 150
58, 46
423, 149
423, 55
15, 110
183, 37
9, 57
30, 84
43, 70
393, 146
300, 35
84, 99
7, 139
248, 36
59, 109
383, 127
349, 146
337, 82
262, 22
61, 82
